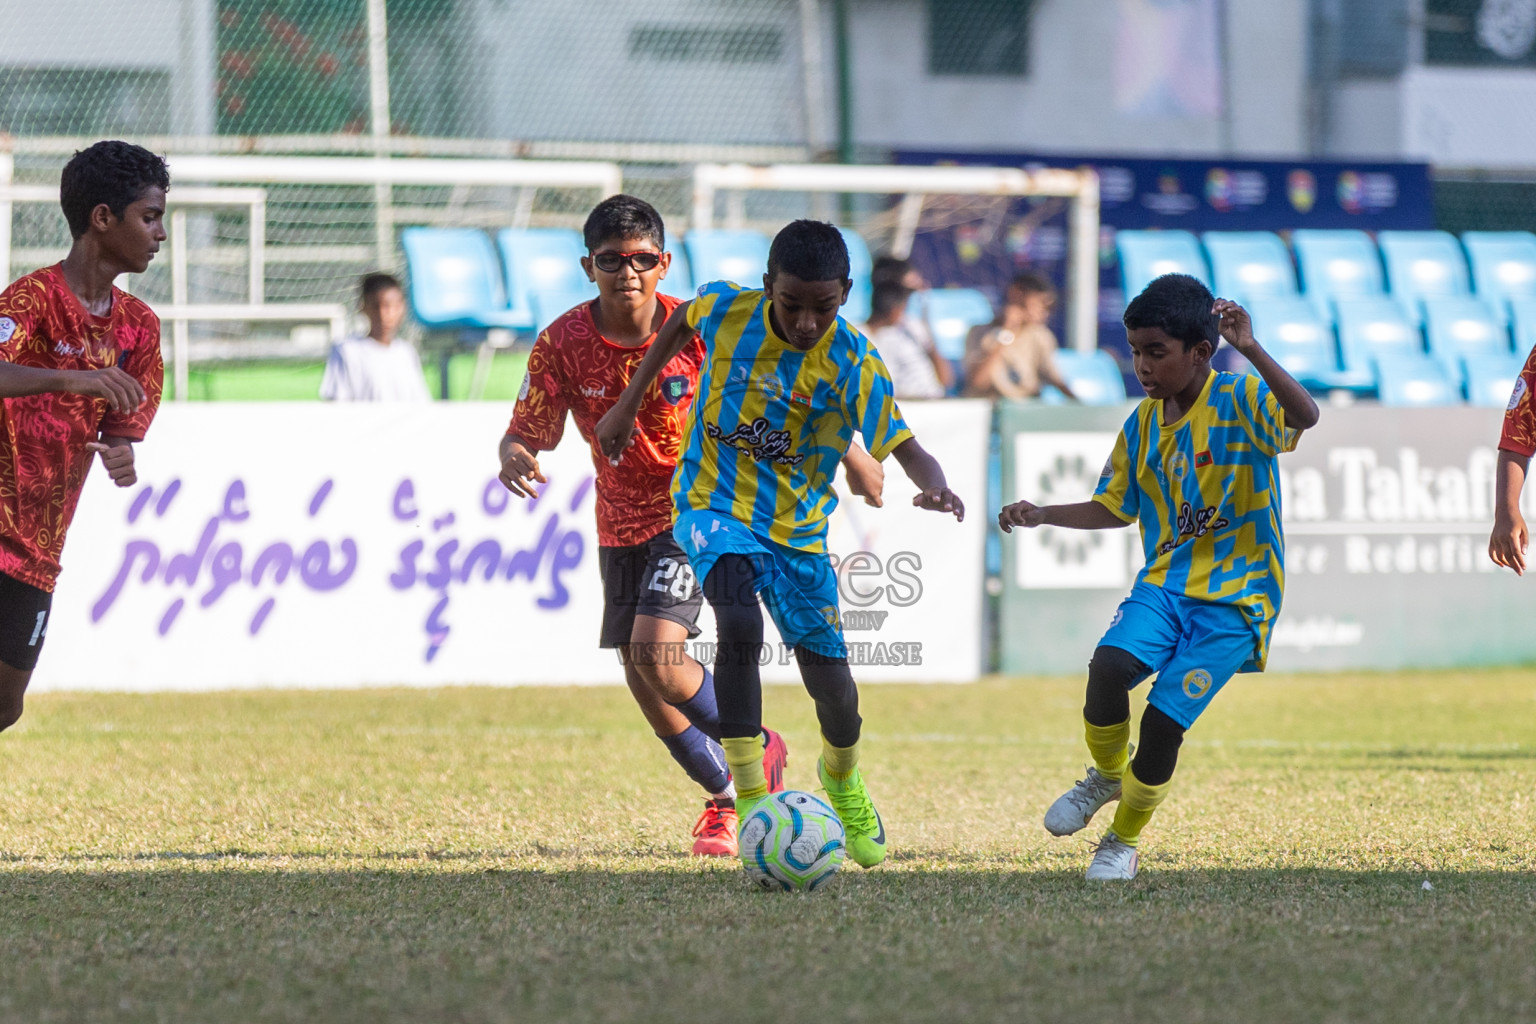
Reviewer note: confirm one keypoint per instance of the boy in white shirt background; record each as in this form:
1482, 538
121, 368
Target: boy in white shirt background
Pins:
378, 367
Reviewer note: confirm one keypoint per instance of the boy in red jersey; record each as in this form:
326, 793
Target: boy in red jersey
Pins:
1517, 441
581, 363
80, 374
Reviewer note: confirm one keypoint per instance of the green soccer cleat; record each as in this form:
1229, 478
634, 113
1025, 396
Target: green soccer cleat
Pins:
865, 832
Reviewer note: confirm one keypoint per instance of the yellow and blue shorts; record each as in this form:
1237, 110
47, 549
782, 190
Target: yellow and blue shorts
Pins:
798, 587
1194, 647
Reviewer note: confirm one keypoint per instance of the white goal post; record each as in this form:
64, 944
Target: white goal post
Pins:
913, 184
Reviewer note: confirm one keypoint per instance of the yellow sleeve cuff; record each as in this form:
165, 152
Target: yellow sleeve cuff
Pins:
1107, 502
891, 444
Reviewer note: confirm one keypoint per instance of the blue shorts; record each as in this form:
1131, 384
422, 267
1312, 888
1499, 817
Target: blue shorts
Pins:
799, 587
1193, 646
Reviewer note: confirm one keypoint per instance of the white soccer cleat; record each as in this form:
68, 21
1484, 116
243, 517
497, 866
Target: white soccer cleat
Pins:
1075, 808
1113, 861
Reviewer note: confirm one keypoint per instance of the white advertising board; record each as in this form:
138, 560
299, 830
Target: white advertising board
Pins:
312, 545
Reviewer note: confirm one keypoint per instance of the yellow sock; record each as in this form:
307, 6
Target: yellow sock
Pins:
1110, 746
839, 761
1137, 802
744, 757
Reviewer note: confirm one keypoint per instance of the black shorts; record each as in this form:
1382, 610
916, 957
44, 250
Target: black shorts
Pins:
653, 578
24, 613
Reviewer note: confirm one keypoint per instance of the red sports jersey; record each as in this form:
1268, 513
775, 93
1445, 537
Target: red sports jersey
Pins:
1519, 433
43, 460
573, 367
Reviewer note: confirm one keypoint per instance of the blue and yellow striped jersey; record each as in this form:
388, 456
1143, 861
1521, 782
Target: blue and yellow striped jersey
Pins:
1206, 491
771, 422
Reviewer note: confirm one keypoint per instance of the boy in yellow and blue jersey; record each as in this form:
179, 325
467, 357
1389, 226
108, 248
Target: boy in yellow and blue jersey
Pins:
1195, 466
785, 384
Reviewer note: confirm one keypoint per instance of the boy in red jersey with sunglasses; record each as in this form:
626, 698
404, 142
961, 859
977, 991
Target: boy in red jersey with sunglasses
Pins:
581, 364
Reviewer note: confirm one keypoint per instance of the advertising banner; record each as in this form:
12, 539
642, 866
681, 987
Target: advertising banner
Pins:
313, 545
1387, 515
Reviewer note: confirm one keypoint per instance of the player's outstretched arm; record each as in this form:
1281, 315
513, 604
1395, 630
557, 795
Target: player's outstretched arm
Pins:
1510, 538
865, 475
519, 466
616, 430
924, 470
1236, 326
121, 390
117, 456
1084, 515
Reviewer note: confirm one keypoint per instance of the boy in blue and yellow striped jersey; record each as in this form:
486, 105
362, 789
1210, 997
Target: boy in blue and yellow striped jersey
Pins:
1195, 465
785, 384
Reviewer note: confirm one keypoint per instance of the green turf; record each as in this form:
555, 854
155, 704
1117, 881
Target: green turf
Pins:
518, 855
291, 381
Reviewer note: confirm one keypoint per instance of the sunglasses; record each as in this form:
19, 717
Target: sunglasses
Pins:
613, 262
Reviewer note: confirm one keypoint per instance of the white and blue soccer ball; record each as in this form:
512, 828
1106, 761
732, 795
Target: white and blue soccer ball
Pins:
791, 842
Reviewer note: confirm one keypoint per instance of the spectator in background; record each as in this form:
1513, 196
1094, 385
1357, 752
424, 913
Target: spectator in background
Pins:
916, 368
895, 270
1015, 355
378, 367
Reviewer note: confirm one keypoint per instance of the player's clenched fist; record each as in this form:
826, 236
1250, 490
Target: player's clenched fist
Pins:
1020, 513
615, 432
122, 391
118, 458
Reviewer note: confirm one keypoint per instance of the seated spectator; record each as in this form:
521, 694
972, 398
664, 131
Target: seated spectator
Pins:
916, 368
1015, 355
379, 367
895, 270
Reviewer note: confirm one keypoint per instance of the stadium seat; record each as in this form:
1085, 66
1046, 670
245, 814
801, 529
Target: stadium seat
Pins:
1422, 265
1145, 255
1491, 377
679, 280
1458, 328
455, 279
1503, 267
719, 254
1412, 379
551, 304
1094, 377
542, 261
1291, 330
1522, 322
951, 313
1249, 265
1336, 265
1369, 327
860, 265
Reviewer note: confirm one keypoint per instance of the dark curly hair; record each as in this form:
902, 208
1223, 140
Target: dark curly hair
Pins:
811, 250
623, 216
1179, 306
112, 172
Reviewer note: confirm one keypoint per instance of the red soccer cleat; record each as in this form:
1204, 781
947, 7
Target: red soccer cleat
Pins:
775, 757
715, 831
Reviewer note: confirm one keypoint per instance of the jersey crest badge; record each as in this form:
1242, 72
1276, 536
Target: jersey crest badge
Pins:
7, 328
674, 389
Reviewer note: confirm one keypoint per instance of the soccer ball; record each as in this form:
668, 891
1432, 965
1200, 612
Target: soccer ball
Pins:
792, 842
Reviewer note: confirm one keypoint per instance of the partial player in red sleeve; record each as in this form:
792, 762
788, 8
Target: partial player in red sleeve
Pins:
80, 375
1517, 441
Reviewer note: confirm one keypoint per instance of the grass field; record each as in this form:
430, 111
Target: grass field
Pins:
519, 855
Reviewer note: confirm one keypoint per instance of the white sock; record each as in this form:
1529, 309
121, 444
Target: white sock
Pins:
729, 793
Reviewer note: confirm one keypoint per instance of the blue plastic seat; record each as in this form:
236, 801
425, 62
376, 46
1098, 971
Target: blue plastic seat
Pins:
1522, 322
720, 254
1490, 378
860, 265
1291, 330
539, 261
1249, 265
951, 313
1094, 377
455, 279
1147, 255
1503, 267
1336, 265
1423, 265
1461, 327
1412, 379
1369, 327
679, 280
549, 305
